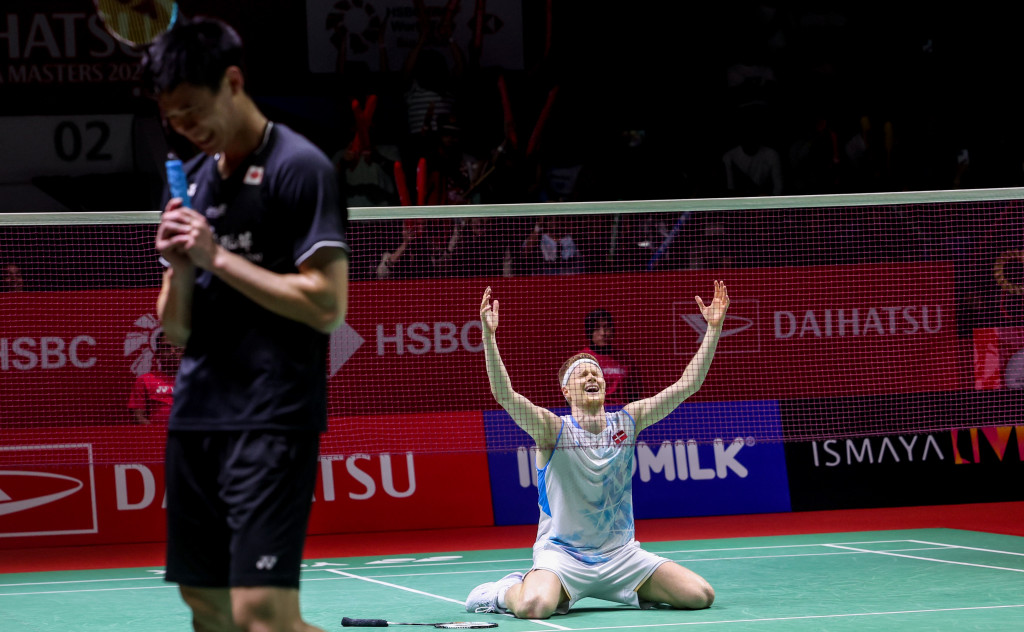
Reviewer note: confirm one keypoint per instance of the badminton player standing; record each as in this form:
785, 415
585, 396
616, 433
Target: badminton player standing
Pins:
585, 545
256, 278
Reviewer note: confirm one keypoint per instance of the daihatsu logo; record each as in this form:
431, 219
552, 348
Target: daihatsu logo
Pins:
740, 324
63, 489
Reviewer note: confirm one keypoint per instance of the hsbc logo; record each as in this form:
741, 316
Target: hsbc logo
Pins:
740, 333
140, 344
422, 337
26, 353
406, 338
345, 341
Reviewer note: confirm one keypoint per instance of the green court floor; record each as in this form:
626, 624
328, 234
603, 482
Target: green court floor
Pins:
929, 579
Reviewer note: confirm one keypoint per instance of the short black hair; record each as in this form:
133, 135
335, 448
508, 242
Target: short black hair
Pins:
196, 51
595, 318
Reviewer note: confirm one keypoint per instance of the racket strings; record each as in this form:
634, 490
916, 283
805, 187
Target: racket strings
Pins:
137, 21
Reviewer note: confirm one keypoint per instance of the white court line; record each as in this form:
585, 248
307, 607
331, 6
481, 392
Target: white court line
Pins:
784, 546
82, 581
528, 560
927, 559
970, 548
426, 594
687, 560
933, 546
86, 590
797, 618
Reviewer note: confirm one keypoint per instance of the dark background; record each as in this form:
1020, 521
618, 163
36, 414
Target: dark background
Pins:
944, 81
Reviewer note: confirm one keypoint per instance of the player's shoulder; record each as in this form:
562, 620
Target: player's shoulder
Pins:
292, 147
620, 418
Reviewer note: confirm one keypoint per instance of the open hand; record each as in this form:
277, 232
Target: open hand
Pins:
488, 314
715, 312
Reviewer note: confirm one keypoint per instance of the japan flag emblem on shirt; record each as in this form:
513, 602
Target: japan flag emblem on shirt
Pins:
254, 175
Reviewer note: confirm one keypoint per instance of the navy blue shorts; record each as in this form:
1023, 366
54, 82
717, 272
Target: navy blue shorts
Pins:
238, 506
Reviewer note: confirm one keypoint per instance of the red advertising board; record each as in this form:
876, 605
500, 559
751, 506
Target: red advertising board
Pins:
790, 333
68, 359
79, 490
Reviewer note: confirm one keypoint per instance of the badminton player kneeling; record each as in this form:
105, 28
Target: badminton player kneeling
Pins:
257, 277
585, 545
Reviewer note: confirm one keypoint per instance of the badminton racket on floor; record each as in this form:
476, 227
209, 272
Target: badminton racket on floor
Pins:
381, 623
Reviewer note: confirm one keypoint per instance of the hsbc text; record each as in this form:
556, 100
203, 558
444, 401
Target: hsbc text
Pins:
439, 337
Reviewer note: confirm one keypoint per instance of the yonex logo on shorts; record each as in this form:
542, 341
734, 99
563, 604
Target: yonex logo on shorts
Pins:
266, 562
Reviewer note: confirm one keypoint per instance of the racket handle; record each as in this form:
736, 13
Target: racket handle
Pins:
176, 180
364, 623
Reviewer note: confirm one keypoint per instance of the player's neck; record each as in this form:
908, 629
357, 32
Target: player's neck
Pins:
251, 134
590, 417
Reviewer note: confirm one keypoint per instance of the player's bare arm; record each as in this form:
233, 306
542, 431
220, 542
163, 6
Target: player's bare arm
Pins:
541, 424
653, 409
317, 295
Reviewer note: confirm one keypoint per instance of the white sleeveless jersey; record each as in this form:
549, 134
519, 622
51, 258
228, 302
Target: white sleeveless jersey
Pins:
586, 490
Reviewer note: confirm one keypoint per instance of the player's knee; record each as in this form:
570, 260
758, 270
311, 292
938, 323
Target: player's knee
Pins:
709, 595
703, 596
251, 613
210, 613
532, 605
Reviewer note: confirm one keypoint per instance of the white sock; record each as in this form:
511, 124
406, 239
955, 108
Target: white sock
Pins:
501, 597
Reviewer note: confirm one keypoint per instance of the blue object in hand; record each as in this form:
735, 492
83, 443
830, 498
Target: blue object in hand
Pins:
176, 180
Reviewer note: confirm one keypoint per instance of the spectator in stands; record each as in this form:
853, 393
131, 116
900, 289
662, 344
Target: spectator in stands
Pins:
431, 90
368, 170
477, 248
153, 393
622, 383
865, 158
458, 170
752, 168
550, 248
10, 275
368, 181
420, 252
814, 156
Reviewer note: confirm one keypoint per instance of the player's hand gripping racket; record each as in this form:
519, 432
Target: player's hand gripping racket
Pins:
381, 623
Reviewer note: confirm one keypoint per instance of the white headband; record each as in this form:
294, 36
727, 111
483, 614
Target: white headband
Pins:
572, 367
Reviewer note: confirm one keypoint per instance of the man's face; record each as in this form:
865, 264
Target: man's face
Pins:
586, 384
603, 334
200, 115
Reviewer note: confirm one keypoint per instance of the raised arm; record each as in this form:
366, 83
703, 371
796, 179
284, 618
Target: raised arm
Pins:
541, 424
654, 409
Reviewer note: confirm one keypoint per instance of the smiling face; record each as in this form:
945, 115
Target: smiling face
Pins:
585, 386
206, 118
